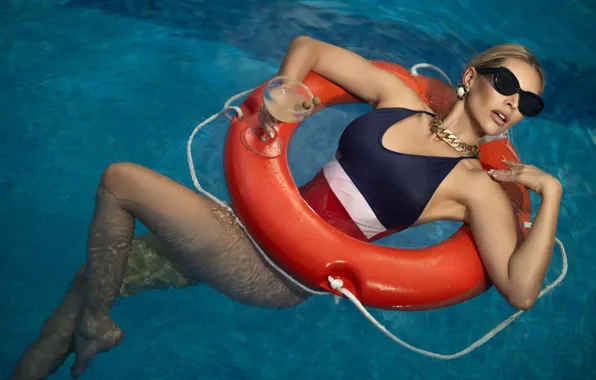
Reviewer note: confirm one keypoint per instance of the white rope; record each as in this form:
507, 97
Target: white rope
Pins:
227, 107
338, 285
414, 70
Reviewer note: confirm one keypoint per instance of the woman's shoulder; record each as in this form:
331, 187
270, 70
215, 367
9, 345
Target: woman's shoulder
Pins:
402, 96
407, 99
476, 186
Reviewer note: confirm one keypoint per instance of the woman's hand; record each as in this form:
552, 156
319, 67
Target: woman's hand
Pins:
529, 176
268, 122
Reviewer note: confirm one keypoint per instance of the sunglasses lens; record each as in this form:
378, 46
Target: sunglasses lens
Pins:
506, 82
530, 104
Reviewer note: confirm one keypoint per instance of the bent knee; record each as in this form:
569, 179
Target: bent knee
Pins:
119, 176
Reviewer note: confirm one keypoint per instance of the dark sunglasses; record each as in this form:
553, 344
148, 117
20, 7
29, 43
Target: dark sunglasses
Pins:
506, 83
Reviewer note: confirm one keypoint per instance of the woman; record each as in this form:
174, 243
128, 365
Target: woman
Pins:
498, 88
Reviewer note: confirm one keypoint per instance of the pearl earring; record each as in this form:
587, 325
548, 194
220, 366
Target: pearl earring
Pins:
461, 92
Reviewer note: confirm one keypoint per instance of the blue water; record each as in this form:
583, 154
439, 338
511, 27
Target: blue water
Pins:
85, 83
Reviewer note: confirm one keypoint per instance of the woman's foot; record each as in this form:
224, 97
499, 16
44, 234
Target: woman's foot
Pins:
96, 334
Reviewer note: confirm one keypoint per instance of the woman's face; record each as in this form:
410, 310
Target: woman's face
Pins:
493, 112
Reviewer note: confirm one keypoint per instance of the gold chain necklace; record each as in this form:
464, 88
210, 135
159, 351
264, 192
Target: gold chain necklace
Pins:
436, 126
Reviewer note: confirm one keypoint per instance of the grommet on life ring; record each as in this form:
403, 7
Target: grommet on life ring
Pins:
267, 200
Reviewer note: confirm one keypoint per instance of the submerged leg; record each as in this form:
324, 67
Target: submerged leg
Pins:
55, 343
200, 238
109, 245
147, 269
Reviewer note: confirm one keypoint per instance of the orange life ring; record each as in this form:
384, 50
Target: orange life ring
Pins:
266, 199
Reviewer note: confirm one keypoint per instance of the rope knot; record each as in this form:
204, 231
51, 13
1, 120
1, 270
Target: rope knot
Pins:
336, 284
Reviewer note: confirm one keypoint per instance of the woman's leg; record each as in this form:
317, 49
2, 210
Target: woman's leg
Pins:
55, 343
148, 268
202, 239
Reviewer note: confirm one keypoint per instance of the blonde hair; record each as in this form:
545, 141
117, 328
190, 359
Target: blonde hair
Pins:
495, 56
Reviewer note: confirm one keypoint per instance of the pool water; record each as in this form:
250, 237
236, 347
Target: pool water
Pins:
85, 83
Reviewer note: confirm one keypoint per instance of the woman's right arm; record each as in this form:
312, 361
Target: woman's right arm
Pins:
349, 71
517, 266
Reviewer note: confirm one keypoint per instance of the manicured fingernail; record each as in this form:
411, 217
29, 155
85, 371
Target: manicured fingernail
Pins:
276, 128
491, 171
271, 134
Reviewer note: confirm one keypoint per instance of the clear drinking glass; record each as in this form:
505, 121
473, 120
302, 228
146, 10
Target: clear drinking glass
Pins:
288, 101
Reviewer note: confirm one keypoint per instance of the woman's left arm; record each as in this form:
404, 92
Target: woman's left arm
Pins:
516, 268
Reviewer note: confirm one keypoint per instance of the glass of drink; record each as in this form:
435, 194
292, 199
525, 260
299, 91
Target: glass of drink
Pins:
288, 101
